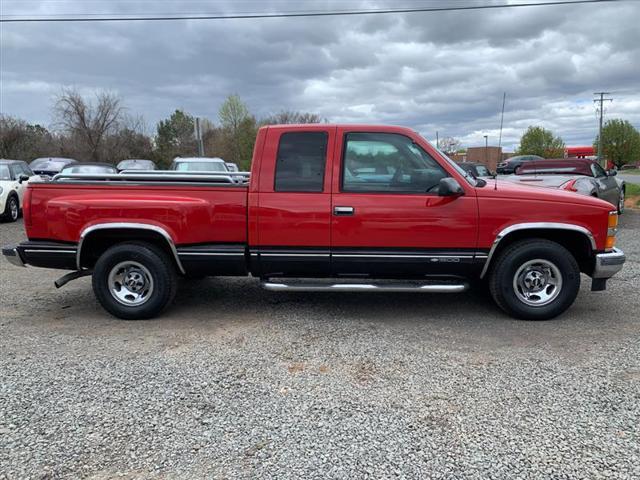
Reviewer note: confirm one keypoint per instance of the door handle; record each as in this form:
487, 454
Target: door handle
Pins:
343, 211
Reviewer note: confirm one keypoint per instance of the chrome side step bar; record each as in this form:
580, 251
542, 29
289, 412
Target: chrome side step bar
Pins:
296, 286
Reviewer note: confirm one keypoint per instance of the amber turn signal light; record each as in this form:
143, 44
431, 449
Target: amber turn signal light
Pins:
612, 229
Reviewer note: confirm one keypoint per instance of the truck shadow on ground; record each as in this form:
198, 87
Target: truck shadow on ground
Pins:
246, 297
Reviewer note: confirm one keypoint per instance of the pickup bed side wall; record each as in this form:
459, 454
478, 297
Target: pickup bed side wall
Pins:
191, 215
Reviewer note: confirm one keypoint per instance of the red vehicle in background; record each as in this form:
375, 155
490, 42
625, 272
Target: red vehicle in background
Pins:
587, 152
355, 208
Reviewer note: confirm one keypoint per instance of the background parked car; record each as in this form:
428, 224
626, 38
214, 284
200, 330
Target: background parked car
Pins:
578, 175
510, 164
199, 164
47, 167
12, 187
93, 167
136, 164
478, 170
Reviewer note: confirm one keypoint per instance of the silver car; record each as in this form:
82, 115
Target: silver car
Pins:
578, 175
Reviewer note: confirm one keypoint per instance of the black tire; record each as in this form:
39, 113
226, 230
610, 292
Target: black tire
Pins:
514, 259
144, 260
11, 209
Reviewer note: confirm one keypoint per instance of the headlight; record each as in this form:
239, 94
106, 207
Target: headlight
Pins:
612, 229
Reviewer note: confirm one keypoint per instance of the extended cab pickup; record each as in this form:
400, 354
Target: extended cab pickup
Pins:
326, 207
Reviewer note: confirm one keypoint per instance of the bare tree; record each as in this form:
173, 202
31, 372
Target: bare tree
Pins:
289, 117
88, 123
450, 145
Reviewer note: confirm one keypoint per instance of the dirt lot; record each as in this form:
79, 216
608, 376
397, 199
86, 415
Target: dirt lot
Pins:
236, 382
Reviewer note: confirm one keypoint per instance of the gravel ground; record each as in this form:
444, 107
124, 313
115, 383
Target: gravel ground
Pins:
237, 382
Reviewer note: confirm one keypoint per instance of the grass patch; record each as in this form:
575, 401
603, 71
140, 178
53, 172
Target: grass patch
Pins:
633, 171
632, 189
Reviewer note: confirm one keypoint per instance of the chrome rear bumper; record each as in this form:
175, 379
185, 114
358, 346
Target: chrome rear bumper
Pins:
608, 264
13, 256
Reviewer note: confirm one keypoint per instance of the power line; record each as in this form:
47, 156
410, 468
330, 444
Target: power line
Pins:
156, 18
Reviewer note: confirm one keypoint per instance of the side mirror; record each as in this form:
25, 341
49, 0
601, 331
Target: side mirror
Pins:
612, 173
23, 178
449, 187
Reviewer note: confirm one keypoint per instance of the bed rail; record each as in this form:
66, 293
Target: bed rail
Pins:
155, 176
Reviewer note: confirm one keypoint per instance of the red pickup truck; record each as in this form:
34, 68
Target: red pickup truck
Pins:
355, 208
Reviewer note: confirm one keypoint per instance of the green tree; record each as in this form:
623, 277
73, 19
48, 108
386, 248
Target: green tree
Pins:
239, 131
175, 136
542, 142
620, 142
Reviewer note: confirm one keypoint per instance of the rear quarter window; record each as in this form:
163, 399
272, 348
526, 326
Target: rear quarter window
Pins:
300, 162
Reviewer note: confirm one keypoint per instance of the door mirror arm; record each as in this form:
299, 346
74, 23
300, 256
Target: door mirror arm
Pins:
23, 178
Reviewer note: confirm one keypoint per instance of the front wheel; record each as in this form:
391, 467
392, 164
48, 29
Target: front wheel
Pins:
535, 280
621, 202
134, 281
12, 209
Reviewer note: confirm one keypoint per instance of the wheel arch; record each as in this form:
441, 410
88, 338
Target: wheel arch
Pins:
95, 239
575, 238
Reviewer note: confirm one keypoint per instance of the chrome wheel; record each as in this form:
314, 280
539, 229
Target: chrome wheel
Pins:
130, 283
537, 282
13, 208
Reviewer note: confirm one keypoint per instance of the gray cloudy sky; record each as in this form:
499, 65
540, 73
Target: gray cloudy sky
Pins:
430, 71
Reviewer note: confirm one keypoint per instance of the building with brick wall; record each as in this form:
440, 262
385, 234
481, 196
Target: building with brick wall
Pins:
489, 156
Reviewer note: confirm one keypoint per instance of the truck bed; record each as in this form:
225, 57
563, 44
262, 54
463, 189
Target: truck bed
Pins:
191, 214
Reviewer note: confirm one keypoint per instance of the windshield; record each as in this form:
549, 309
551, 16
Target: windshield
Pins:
88, 169
136, 165
53, 164
483, 171
467, 176
4, 173
201, 167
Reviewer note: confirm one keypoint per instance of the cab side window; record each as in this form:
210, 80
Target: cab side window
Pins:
301, 161
388, 163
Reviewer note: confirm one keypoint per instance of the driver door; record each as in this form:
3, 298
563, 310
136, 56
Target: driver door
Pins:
387, 218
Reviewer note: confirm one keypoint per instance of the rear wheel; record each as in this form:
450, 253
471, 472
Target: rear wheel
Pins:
134, 281
535, 280
621, 202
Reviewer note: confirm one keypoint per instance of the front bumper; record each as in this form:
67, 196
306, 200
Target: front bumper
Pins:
608, 264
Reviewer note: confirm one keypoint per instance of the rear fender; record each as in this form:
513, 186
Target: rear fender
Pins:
96, 229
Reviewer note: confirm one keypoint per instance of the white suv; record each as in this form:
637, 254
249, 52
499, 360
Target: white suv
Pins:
13, 175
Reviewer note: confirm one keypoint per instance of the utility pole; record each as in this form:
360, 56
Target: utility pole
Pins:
601, 101
486, 150
437, 140
198, 133
504, 97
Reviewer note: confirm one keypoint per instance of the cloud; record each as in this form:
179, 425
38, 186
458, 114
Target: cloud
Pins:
442, 72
